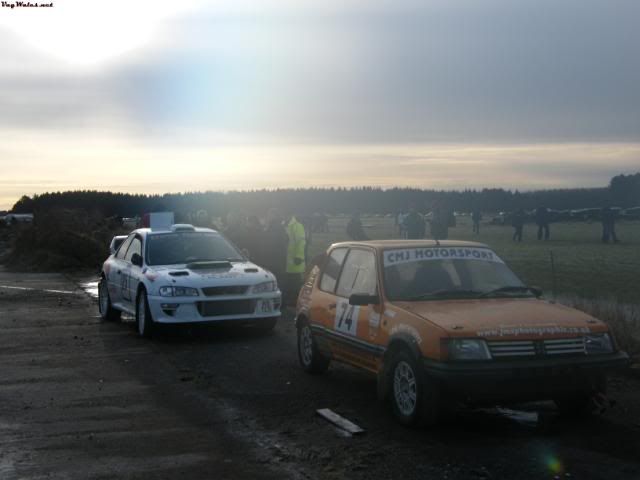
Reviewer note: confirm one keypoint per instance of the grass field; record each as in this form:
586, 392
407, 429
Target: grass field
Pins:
584, 266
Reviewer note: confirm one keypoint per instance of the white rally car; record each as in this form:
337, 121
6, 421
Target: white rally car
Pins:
182, 274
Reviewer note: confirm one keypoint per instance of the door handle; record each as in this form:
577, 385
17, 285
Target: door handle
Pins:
119, 272
333, 306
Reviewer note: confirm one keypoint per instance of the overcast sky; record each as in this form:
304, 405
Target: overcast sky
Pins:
155, 96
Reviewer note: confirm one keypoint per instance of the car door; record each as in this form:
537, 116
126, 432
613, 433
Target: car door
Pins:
131, 273
355, 327
114, 274
323, 305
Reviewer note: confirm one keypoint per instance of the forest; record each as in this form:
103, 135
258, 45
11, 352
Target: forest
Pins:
623, 191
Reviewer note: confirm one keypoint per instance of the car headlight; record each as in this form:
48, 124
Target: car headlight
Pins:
598, 343
270, 286
468, 349
178, 292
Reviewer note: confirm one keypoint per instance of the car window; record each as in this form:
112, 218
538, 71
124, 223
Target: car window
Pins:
123, 247
332, 270
414, 274
358, 274
186, 247
135, 247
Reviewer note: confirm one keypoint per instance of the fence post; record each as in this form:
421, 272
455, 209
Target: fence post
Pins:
553, 277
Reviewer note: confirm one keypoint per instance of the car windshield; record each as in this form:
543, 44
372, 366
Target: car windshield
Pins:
445, 272
188, 247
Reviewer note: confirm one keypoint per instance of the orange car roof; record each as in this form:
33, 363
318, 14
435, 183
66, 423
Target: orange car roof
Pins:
386, 244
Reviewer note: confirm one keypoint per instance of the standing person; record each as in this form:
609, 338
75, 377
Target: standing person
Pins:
236, 230
476, 216
355, 231
440, 222
275, 246
296, 248
609, 225
542, 220
254, 240
414, 225
518, 224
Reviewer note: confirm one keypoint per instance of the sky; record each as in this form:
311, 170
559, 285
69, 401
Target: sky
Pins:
164, 96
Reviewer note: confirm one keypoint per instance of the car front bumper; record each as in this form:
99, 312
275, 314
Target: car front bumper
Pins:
524, 380
215, 309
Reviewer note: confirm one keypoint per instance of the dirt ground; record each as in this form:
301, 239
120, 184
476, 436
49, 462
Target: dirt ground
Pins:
80, 398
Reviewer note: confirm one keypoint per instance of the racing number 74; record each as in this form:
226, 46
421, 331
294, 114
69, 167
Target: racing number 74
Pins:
347, 318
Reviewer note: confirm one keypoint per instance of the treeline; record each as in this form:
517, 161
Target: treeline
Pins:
623, 191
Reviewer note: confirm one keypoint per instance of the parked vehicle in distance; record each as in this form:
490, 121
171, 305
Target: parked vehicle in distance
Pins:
440, 322
182, 275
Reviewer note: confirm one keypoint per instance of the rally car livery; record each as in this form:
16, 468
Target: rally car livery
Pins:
184, 274
441, 321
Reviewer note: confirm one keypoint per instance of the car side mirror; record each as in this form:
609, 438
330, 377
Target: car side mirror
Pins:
537, 291
136, 259
364, 299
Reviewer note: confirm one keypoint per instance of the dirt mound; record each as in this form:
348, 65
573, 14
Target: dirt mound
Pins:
61, 239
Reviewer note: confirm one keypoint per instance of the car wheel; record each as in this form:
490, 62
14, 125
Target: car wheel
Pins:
311, 359
107, 312
144, 320
414, 397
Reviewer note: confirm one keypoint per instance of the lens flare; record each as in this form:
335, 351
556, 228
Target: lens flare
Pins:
554, 464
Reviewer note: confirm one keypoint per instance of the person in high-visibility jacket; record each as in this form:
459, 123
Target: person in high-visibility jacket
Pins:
295, 259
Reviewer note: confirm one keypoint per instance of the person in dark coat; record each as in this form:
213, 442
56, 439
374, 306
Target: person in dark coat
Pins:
609, 225
440, 221
254, 241
355, 231
518, 224
542, 220
414, 224
236, 231
275, 242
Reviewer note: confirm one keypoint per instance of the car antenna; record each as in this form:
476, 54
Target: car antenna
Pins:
437, 242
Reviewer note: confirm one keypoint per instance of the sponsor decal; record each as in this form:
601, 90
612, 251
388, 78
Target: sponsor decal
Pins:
403, 328
374, 318
408, 255
539, 331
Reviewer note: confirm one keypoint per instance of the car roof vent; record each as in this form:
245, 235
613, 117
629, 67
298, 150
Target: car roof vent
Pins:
182, 227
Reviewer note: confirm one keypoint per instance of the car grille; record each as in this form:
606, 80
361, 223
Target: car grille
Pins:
225, 290
500, 349
226, 307
565, 346
538, 348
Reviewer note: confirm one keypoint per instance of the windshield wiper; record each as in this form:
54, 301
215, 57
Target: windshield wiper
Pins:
507, 289
445, 293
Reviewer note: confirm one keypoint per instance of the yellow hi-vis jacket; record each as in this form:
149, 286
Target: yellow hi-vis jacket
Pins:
295, 248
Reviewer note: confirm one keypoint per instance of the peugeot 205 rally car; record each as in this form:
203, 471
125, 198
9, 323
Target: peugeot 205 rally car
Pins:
447, 321
182, 274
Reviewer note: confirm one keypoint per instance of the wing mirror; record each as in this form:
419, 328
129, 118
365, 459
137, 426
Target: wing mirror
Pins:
537, 291
364, 299
136, 259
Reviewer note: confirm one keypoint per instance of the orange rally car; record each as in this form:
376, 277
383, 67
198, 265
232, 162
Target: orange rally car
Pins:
441, 321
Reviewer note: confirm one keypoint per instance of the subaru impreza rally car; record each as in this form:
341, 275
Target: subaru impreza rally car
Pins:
182, 274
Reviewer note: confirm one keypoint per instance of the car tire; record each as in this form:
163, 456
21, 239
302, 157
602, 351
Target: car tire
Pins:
107, 312
144, 320
414, 397
311, 358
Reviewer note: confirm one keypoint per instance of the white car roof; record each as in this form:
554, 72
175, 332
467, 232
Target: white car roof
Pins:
174, 228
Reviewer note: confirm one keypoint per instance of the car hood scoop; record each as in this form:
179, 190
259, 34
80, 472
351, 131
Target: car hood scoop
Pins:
217, 265
181, 273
